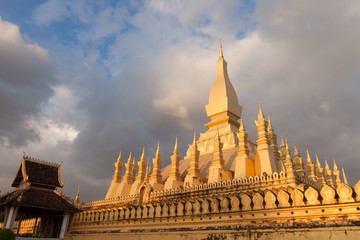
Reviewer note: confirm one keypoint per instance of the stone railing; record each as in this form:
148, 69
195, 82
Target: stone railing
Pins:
256, 183
120, 200
275, 180
259, 200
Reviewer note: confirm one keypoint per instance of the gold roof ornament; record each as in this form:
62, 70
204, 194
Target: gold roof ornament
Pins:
77, 198
344, 176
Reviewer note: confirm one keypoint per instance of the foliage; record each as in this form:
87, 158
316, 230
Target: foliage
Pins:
7, 234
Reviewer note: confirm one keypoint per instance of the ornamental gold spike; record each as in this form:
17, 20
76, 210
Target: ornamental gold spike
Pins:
241, 125
77, 198
260, 115
308, 159
270, 128
142, 158
287, 149
296, 153
317, 161
336, 173
326, 165
194, 140
335, 166
344, 176
119, 157
221, 51
158, 149
176, 147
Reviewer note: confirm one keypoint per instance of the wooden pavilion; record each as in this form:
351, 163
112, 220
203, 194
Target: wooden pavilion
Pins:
36, 197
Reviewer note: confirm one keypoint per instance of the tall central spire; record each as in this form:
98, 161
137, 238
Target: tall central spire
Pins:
223, 109
221, 52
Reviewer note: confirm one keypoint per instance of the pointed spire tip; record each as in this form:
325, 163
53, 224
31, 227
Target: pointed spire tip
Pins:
142, 158
308, 159
317, 161
327, 165
335, 166
221, 51
282, 141
345, 179
176, 146
242, 128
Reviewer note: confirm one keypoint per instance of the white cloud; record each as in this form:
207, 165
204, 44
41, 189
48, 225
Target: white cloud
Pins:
51, 132
57, 121
173, 108
50, 11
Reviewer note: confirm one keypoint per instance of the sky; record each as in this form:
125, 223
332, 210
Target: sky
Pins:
81, 81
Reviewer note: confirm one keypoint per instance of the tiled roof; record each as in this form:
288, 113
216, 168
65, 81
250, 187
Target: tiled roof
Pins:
38, 198
38, 172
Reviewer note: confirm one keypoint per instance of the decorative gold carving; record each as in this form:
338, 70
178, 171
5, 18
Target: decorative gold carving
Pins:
357, 191
246, 202
235, 203
214, 205
188, 208
180, 209
345, 193
158, 211
224, 205
328, 195
258, 201
270, 200
312, 196
283, 198
297, 197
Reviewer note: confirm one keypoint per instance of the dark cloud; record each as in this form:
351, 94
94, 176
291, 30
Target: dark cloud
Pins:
26, 77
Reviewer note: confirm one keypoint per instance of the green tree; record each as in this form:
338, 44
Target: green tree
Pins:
7, 234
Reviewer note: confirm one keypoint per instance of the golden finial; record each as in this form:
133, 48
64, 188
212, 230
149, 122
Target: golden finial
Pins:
287, 148
194, 139
130, 158
345, 179
158, 149
221, 52
317, 161
308, 159
260, 115
270, 129
326, 165
241, 125
282, 141
335, 166
176, 147
296, 152
77, 198
119, 157
142, 158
